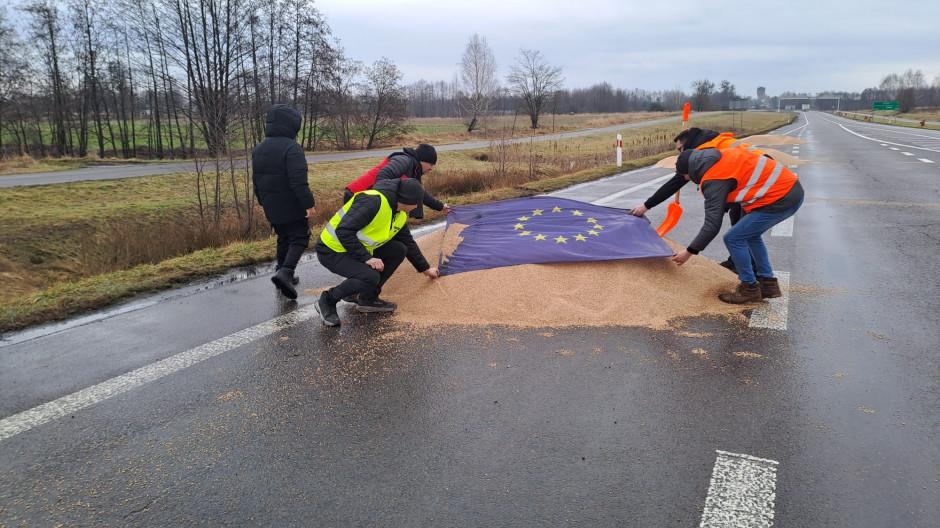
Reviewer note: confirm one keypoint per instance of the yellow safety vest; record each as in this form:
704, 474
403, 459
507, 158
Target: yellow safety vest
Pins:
383, 227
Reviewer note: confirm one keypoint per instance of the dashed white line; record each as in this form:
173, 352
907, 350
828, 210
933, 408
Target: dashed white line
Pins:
907, 153
66, 405
772, 313
741, 493
884, 144
895, 148
925, 160
783, 229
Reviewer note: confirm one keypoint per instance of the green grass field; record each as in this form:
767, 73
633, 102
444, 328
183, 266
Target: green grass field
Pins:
72, 247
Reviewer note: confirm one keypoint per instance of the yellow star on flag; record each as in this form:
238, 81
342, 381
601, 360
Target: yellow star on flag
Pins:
525, 233
592, 220
577, 213
540, 237
598, 226
522, 218
556, 209
537, 212
579, 237
594, 233
561, 240
519, 226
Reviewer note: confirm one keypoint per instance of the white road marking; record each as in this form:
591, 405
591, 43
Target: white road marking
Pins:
772, 313
880, 140
741, 493
619, 194
907, 153
783, 229
925, 160
895, 148
67, 405
884, 145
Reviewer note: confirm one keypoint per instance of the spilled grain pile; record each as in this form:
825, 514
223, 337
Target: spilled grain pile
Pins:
646, 292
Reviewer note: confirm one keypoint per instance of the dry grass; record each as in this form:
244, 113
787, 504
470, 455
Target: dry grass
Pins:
71, 247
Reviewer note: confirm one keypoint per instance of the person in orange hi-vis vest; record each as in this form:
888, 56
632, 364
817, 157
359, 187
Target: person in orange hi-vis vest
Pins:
768, 192
693, 138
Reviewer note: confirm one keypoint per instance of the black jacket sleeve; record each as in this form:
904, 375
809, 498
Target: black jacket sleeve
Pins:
663, 193
433, 202
296, 164
716, 195
360, 214
414, 255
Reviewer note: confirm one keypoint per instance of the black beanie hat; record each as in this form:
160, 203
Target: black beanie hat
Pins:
410, 192
426, 152
682, 163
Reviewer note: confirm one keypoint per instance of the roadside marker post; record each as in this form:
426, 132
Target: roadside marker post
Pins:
619, 150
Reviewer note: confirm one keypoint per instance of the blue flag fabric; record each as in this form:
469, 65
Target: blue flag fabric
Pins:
546, 229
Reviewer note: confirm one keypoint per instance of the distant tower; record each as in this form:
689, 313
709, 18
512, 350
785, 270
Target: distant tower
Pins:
761, 92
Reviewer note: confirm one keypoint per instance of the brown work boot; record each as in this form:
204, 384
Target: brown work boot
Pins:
769, 287
744, 293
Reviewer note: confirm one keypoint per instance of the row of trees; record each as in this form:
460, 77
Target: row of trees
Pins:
910, 88
167, 78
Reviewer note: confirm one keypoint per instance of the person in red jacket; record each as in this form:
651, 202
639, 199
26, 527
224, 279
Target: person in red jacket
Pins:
409, 163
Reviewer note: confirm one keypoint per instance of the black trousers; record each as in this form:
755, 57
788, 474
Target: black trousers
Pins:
292, 239
360, 278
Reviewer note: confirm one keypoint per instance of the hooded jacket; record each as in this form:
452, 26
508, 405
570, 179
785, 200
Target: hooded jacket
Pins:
360, 214
279, 169
406, 164
696, 138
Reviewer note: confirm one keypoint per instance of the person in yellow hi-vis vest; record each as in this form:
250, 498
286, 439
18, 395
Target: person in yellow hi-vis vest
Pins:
365, 242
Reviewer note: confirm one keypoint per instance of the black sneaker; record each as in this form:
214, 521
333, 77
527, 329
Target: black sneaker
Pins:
351, 299
326, 307
284, 280
295, 280
375, 305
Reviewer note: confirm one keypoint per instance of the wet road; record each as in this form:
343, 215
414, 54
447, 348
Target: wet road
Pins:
113, 172
237, 419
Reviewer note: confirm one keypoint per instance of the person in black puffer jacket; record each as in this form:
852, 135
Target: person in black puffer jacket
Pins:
279, 173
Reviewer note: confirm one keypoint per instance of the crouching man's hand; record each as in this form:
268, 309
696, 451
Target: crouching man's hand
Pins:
682, 257
375, 264
432, 273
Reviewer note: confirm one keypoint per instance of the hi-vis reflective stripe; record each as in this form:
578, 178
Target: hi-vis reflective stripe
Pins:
767, 185
753, 180
362, 238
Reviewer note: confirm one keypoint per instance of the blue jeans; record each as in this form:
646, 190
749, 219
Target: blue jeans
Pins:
743, 240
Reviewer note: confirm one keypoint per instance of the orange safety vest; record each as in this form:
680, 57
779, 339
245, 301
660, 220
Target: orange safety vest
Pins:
761, 180
727, 140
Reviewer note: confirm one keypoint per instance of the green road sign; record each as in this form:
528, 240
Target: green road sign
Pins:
885, 105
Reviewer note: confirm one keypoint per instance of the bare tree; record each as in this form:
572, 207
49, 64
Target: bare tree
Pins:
534, 81
46, 30
384, 104
12, 72
702, 92
478, 79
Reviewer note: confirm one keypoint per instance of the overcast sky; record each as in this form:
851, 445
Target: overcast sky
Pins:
655, 44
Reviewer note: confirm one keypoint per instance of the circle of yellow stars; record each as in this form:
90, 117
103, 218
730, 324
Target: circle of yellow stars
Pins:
595, 228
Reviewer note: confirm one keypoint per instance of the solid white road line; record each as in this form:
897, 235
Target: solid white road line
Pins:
879, 141
772, 313
619, 194
925, 160
783, 229
741, 493
76, 401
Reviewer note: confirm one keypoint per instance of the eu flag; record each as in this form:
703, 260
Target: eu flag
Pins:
546, 229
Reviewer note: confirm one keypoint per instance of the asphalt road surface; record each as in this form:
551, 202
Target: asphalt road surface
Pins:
221, 405
113, 172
